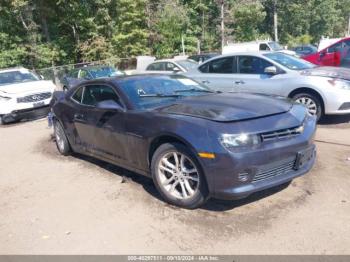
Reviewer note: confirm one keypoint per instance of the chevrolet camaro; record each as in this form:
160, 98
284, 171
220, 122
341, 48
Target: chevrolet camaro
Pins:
193, 142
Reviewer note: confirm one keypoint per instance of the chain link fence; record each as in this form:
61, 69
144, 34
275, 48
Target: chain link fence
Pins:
56, 73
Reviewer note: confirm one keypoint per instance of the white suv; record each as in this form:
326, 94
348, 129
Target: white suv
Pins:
23, 94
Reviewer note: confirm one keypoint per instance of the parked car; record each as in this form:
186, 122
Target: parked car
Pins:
23, 94
337, 54
303, 50
169, 66
78, 75
322, 90
255, 46
200, 58
195, 143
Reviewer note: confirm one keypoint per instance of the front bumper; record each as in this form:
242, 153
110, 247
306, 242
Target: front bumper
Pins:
31, 113
337, 102
245, 189
237, 173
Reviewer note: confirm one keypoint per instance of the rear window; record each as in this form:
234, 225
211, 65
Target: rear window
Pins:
223, 65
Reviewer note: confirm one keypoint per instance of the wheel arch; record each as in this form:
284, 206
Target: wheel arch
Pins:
309, 91
167, 138
172, 138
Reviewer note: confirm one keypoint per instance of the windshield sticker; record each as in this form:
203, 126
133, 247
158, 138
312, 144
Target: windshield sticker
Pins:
140, 91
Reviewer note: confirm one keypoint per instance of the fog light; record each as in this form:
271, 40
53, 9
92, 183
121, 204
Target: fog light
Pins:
243, 177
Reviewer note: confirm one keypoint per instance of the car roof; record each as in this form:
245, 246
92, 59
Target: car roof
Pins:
248, 53
13, 69
92, 67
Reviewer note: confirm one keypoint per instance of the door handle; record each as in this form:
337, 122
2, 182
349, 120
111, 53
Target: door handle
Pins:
239, 82
79, 117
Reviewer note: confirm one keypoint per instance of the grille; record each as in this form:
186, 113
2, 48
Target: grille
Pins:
34, 98
275, 171
284, 133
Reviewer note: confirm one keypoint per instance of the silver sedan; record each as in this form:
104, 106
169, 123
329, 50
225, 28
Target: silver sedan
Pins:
323, 90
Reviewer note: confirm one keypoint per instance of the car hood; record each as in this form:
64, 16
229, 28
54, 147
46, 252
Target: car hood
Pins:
27, 87
328, 71
227, 107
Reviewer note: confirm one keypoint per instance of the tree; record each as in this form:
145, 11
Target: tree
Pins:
247, 17
131, 37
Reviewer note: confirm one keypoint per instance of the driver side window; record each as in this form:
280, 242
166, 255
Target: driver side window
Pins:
94, 94
252, 65
334, 48
170, 67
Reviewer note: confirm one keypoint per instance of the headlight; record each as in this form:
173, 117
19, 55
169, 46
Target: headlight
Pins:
233, 140
4, 98
343, 84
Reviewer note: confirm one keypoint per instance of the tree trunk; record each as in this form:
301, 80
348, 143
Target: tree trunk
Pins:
222, 24
275, 27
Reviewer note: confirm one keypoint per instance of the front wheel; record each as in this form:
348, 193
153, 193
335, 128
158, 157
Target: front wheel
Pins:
178, 176
312, 103
61, 139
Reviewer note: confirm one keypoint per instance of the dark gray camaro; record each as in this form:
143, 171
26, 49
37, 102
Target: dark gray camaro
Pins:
193, 142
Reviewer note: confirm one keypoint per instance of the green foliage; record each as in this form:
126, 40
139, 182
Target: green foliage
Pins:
247, 18
131, 37
171, 24
42, 33
303, 39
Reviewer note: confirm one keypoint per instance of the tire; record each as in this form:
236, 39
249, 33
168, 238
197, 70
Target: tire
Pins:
186, 187
312, 103
61, 140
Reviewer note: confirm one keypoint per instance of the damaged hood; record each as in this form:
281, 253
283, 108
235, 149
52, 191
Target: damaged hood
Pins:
228, 107
328, 71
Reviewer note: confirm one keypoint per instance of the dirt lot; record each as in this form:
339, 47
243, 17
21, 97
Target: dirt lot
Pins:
51, 204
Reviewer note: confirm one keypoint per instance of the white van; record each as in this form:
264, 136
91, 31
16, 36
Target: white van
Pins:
255, 46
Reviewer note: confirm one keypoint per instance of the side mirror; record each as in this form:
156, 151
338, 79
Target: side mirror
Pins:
109, 105
176, 70
271, 70
41, 77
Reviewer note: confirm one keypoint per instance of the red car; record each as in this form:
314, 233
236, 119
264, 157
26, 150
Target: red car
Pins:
337, 54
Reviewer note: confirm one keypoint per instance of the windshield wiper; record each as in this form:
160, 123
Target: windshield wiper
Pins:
159, 95
193, 90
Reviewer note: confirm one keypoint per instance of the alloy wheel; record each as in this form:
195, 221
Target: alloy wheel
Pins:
178, 175
59, 135
309, 103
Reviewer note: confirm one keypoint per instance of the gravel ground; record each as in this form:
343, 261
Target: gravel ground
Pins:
50, 204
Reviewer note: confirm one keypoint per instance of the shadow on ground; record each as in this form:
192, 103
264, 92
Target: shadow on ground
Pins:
147, 184
335, 119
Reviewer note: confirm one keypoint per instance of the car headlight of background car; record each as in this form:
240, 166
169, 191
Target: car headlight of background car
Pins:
343, 84
239, 140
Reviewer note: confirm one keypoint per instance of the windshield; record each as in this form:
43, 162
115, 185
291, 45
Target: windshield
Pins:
107, 71
291, 62
187, 64
155, 91
13, 77
275, 46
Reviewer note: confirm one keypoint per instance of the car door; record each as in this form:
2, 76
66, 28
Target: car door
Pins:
251, 77
102, 131
331, 55
218, 74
